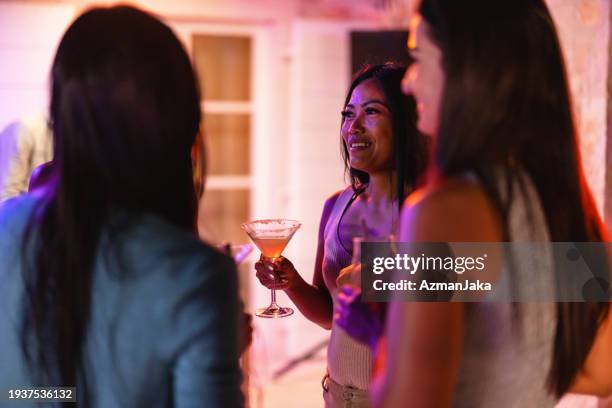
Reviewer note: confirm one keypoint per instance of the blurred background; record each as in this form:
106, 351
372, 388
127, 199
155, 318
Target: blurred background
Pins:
274, 75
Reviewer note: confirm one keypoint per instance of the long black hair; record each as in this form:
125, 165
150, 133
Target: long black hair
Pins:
409, 146
506, 107
125, 112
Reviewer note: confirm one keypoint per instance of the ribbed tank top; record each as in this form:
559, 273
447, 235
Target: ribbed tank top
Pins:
348, 361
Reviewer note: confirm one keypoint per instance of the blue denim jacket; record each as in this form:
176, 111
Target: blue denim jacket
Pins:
163, 330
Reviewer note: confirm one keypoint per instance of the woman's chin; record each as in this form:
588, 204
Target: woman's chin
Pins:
360, 166
427, 128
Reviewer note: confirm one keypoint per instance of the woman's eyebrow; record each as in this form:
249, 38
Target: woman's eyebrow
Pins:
375, 101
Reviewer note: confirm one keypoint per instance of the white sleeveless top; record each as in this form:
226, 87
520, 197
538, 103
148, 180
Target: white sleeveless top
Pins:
505, 362
348, 361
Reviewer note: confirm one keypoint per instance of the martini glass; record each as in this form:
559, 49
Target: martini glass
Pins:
271, 237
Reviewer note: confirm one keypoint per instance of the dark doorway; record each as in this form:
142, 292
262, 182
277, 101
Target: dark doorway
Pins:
376, 47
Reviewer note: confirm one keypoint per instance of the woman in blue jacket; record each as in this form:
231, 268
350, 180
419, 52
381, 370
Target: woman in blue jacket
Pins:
105, 285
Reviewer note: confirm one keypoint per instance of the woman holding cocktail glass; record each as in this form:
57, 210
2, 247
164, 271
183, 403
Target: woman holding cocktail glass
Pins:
490, 82
384, 154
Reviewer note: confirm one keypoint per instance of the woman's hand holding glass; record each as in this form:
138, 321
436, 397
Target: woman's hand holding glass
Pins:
277, 274
362, 321
351, 276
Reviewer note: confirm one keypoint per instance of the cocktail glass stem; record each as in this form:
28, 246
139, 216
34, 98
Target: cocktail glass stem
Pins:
273, 304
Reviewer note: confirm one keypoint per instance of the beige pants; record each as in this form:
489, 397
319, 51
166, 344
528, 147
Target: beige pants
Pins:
341, 396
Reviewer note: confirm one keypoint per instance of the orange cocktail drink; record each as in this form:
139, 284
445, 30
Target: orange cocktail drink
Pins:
271, 237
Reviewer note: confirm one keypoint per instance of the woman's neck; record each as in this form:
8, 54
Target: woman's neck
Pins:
376, 210
381, 187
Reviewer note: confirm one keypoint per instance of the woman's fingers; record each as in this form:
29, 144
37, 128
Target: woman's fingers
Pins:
265, 276
271, 280
274, 274
282, 262
351, 275
281, 284
347, 295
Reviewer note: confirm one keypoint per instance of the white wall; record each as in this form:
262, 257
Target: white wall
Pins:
29, 34
584, 31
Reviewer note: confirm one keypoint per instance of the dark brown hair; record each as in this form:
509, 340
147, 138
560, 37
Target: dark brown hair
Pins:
125, 113
506, 107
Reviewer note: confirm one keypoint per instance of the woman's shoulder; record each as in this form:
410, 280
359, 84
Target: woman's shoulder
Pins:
456, 190
452, 209
336, 202
15, 212
19, 206
344, 193
165, 269
153, 245
179, 287
338, 197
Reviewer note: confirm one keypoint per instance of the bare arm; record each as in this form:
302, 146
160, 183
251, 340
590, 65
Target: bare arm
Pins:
424, 340
314, 300
596, 375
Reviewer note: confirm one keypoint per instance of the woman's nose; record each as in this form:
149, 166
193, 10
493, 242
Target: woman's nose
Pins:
356, 125
408, 80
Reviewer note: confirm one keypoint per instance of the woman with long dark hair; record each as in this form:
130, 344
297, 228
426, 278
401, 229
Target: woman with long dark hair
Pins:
105, 285
491, 87
384, 155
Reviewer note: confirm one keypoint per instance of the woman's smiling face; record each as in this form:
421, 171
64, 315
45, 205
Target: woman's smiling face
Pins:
425, 78
367, 129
